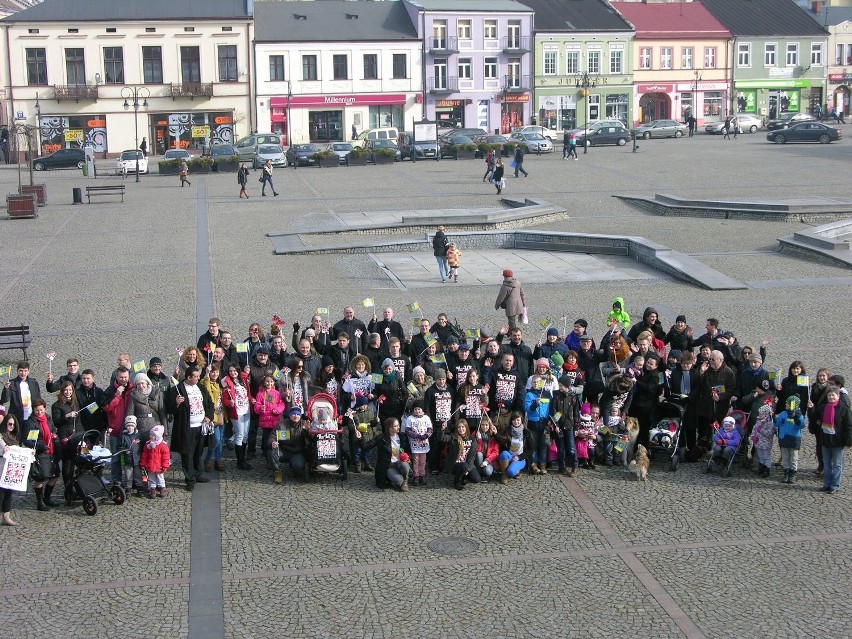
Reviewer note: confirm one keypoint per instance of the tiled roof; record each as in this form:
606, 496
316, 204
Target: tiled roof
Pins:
764, 18
332, 21
672, 20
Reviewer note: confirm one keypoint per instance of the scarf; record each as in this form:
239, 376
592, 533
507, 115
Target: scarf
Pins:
569, 367
828, 414
46, 435
748, 370
392, 376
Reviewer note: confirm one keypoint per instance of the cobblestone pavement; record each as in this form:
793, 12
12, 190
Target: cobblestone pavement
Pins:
685, 555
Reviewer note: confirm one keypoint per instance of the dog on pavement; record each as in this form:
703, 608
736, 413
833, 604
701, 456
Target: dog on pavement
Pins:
641, 463
631, 428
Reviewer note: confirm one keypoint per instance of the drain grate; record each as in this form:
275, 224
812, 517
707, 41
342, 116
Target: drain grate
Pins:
455, 546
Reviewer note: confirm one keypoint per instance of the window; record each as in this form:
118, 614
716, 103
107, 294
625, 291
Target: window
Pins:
572, 62
463, 29
465, 72
440, 68
769, 50
339, 66
75, 66
666, 58
489, 71
816, 54
593, 62
36, 67
276, 68
113, 65
709, 57
309, 67
686, 58
645, 58
616, 61
838, 50
848, 54
439, 34
371, 66
400, 66
514, 29
550, 63
228, 63
490, 30
190, 64
152, 65
744, 54
514, 68
792, 54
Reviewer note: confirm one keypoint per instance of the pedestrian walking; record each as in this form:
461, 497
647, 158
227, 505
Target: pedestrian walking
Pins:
726, 129
519, 161
440, 244
691, 122
143, 146
566, 140
497, 178
266, 178
242, 180
489, 164
572, 147
511, 299
735, 126
184, 172
354, 132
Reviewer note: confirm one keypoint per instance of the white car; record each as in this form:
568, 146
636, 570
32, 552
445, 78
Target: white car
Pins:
532, 142
127, 162
340, 149
271, 152
550, 134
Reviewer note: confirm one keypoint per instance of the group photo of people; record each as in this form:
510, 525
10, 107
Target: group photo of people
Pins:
412, 404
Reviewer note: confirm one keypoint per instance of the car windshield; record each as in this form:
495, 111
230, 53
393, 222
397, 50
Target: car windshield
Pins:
223, 149
176, 153
268, 149
305, 147
384, 144
342, 147
131, 155
533, 136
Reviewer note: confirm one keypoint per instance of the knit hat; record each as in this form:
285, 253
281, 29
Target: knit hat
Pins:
417, 369
440, 374
675, 353
418, 403
130, 419
680, 318
295, 411
452, 339
262, 351
565, 381
157, 433
754, 357
309, 332
154, 362
765, 410
557, 360
507, 273
388, 362
586, 409
360, 400
728, 421
327, 361
542, 362
464, 347
553, 331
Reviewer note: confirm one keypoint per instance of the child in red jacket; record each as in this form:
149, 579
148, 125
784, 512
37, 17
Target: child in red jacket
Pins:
156, 459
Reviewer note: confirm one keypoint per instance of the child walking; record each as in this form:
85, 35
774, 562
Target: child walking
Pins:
418, 427
156, 460
453, 259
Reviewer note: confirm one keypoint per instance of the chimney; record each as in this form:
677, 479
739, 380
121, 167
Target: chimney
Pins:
816, 6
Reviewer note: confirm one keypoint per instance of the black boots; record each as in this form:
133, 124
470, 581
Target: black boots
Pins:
48, 491
791, 477
240, 451
39, 495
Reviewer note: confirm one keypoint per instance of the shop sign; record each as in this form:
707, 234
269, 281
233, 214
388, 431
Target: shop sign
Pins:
449, 103
516, 97
655, 88
74, 135
201, 131
339, 100
840, 78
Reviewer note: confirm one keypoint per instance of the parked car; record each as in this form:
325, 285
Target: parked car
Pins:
381, 133
470, 132
177, 154
301, 154
502, 140
247, 146
746, 123
447, 143
594, 125
127, 162
805, 132
615, 134
543, 131
271, 152
661, 129
61, 159
341, 149
788, 119
411, 149
374, 145
532, 142
223, 150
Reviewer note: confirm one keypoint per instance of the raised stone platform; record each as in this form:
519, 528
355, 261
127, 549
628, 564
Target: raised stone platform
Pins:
829, 242
810, 209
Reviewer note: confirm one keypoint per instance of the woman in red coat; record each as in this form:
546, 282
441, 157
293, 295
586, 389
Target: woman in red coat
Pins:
156, 459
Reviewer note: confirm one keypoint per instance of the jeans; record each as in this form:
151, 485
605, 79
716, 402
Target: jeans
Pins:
398, 473
442, 266
832, 461
241, 427
519, 167
567, 449
115, 462
515, 467
216, 448
268, 181
539, 443
461, 471
485, 468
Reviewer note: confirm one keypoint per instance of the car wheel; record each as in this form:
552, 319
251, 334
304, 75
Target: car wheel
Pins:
38, 166
621, 141
824, 139
780, 139
752, 128
527, 150
678, 134
80, 164
647, 135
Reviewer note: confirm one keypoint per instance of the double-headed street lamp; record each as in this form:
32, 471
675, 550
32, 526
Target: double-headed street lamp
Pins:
585, 82
135, 93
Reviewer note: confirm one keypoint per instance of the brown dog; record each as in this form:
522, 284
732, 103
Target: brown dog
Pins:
641, 463
631, 428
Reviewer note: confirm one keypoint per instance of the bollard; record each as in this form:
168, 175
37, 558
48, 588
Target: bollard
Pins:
77, 195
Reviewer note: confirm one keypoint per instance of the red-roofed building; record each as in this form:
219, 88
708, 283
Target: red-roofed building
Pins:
681, 61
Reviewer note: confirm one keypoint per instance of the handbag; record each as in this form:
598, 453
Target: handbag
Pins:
525, 318
43, 468
262, 178
513, 165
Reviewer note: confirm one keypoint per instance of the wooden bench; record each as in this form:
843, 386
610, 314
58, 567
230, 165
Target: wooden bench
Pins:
108, 189
15, 337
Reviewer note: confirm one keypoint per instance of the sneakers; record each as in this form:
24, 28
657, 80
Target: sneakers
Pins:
404, 487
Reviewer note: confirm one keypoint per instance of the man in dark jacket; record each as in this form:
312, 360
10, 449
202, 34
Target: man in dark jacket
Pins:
352, 326
88, 394
522, 352
716, 385
20, 393
440, 244
192, 409
259, 367
650, 322
341, 353
506, 388
73, 375
388, 327
211, 339
438, 400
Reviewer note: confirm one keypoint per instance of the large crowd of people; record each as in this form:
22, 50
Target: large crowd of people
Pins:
440, 400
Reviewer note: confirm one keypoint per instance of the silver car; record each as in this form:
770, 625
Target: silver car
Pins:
270, 152
747, 124
532, 142
661, 129
340, 149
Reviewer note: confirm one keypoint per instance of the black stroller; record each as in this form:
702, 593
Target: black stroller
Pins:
664, 438
88, 482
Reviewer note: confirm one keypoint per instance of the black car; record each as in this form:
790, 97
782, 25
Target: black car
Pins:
805, 132
788, 119
505, 147
447, 143
301, 154
604, 135
371, 146
61, 159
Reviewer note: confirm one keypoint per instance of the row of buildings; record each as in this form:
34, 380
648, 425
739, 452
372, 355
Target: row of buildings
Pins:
195, 72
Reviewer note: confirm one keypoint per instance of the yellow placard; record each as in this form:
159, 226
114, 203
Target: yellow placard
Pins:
202, 131
74, 135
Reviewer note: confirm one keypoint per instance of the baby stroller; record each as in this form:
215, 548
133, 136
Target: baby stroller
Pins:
88, 481
325, 438
723, 462
664, 438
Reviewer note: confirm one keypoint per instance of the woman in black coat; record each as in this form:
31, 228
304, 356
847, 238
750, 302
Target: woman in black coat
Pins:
497, 177
66, 412
44, 470
392, 466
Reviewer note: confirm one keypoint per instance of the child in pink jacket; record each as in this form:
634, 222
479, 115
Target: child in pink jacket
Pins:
156, 459
269, 407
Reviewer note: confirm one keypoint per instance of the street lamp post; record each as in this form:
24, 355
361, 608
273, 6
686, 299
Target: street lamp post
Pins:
135, 93
586, 82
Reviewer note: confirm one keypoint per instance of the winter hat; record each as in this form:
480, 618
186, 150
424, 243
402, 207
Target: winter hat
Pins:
156, 435
327, 361
388, 362
754, 357
542, 362
417, 369
553, 331
452, 339
154, 362
464, 347
586, 409
297, 411
765, 410
565, 381
440, 374
586, 337
675, 353
557, 360
728, 423
262, 351
507, 273
680, 318
130, 419
2, 410
309, 332
417, 404
360, 400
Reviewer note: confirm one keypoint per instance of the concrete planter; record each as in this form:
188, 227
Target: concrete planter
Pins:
381, 158
328, 162
227, 167
22, 206
352, 160
464, 154
168, 169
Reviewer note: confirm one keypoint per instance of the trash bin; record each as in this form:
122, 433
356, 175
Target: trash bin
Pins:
77, 193
85, 170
